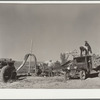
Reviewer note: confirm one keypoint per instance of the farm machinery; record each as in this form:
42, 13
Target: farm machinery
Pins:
8, 70
82, 67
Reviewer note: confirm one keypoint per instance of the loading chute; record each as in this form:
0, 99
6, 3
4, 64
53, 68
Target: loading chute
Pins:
25, 60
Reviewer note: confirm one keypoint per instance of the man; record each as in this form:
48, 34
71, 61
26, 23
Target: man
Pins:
88, 47
82, 49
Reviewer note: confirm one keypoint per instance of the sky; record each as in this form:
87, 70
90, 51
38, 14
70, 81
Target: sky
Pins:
54, 29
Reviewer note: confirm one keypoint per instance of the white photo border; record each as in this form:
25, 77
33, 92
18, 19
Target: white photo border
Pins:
49, 93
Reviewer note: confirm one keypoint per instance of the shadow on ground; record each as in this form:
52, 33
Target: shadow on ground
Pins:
21, 77
93, 75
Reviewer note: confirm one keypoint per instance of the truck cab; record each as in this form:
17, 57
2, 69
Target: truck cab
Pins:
83, 63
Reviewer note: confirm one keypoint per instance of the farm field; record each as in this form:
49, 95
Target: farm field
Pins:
57, 82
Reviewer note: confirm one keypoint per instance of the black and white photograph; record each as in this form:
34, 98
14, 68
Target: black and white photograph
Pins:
49, 46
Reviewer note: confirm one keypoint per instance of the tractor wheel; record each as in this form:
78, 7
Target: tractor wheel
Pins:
82, 75
14, 75
7, 73
67, 76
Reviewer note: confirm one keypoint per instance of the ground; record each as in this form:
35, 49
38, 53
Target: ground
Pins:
57, 82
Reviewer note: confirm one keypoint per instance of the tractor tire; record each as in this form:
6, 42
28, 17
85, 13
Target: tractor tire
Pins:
14, 75
82, 75
7, 73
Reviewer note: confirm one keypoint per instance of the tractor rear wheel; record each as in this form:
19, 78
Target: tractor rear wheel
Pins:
82, 75
7, 73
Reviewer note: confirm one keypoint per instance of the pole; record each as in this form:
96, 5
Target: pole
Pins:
31, 47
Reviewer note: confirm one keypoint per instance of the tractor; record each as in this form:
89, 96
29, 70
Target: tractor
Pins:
8, 70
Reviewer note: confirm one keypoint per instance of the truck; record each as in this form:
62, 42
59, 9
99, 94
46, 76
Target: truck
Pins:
82, 66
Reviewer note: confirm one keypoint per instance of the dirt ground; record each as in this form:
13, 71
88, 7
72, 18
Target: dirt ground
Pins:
57, 82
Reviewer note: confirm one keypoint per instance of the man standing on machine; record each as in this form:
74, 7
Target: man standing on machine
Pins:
88, 47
